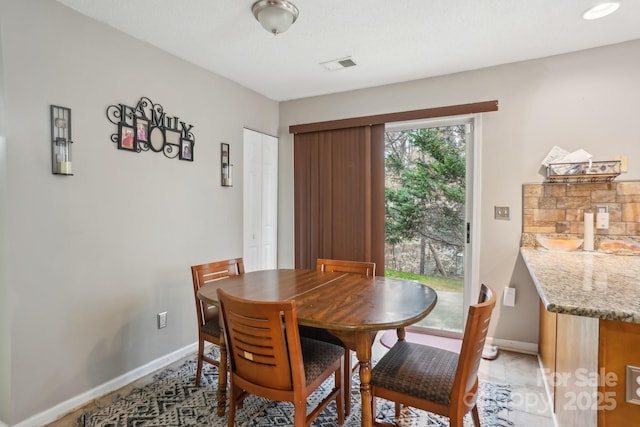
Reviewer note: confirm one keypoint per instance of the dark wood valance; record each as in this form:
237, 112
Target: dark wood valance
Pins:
428, 113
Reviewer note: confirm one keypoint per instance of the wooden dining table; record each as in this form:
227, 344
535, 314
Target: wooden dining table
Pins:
351, 307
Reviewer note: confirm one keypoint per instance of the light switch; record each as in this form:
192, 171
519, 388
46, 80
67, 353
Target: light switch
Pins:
501, 212
602, 217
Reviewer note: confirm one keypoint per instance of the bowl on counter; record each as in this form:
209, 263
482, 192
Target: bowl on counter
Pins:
564, 244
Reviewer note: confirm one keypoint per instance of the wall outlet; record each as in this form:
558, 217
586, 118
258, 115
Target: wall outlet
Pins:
623, 163
509, 297
162, 320
501, 212
633, 384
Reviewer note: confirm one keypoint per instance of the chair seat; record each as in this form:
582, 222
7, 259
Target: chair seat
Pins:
417, 370
319, 334
318, 356
211, 327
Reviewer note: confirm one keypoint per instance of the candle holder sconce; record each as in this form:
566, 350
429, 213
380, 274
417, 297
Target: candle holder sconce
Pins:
225, 166
61, 140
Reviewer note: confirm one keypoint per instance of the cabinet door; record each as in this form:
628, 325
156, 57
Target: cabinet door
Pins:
619, 348
547, 349
576, 366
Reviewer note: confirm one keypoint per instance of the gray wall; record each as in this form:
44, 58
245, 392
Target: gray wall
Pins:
89, 260
5, 318
92, 258
584, 100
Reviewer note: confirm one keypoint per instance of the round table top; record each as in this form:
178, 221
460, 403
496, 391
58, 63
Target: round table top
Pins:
331, 300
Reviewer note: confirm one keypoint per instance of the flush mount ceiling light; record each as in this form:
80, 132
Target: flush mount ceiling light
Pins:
275, 16
601, 10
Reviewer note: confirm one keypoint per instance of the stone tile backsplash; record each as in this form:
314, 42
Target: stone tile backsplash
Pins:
557, 208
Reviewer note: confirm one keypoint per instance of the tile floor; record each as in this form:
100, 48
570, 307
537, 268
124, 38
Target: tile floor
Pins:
529, 398
530, 405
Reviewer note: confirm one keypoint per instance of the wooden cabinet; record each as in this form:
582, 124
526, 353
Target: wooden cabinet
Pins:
619, 346
575, 379
547, 348
584, 363
568, 350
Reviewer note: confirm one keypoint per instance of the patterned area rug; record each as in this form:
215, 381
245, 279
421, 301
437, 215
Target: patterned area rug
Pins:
173, 400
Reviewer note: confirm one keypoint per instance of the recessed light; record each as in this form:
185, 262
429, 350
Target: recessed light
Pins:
601, 10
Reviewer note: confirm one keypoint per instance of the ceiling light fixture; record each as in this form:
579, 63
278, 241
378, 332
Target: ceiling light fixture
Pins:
601, 10
275, 16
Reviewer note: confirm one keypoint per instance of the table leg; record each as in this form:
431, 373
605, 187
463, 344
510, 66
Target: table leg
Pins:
364, 342
361, 342
222, 376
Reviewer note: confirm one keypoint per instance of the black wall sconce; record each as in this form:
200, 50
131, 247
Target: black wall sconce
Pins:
61, 140
226, 166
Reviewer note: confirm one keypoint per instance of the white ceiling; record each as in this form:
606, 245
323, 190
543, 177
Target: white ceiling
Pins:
390, 40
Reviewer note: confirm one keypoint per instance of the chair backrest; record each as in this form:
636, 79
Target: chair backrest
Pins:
206, 273
366, 269
475, 334
263, 342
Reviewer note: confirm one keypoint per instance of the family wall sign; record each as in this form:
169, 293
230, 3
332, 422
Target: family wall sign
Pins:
148, 127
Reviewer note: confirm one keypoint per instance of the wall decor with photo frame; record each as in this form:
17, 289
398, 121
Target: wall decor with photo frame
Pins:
225, 165
147, 127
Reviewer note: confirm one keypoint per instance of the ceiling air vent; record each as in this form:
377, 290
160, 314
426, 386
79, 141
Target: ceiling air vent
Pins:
339, 64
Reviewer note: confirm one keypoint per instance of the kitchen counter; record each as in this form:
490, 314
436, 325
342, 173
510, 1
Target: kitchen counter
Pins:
589, 284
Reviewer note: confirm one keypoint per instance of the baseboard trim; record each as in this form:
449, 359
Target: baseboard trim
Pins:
511, 345
52, 414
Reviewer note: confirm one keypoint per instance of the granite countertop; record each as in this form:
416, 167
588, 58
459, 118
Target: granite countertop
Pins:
590, 284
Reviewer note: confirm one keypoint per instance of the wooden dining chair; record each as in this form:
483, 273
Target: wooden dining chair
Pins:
365, 269
208, 315
433, 379
268, 358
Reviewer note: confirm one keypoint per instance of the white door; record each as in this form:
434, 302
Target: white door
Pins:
260, 198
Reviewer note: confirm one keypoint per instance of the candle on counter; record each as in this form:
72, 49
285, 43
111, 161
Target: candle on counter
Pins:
588, 231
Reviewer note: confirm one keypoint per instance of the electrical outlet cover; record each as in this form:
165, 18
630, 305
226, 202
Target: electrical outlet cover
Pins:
162, 320
633, 384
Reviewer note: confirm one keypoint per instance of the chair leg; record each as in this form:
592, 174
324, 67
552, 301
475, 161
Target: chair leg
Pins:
373, 408
456, 419
375, 421
299, 414
200, 354
346, 383
342, 397
232, 400
475, 416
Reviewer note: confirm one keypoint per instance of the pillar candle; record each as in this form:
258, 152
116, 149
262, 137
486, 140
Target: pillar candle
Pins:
588, 231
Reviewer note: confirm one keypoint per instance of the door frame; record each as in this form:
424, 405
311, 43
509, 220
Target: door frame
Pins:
472, 202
